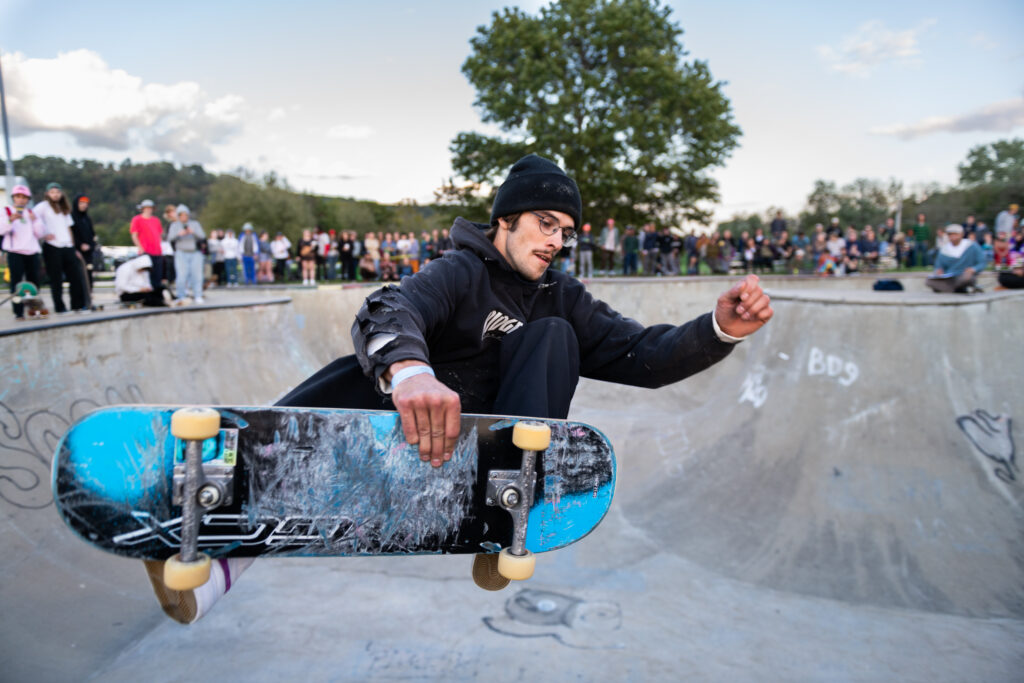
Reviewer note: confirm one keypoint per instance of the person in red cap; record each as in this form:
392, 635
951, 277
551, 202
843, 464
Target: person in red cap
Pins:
84, 234
21, 229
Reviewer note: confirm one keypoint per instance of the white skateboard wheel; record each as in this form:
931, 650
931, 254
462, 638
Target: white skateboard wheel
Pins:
186, 576
531, 436
195, 424
516, 567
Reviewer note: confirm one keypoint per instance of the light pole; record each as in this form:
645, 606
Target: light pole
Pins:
9, 162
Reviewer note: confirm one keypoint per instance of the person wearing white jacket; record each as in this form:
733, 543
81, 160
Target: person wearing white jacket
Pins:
62, 263
229, 246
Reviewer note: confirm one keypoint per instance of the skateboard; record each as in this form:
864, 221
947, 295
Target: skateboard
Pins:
28, 294
186, 484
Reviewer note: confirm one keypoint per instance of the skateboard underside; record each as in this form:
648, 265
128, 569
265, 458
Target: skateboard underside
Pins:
310, 482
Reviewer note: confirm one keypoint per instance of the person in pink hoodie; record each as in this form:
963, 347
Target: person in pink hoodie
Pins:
21, 229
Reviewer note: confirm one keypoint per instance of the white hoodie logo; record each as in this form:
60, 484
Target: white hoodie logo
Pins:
497, 324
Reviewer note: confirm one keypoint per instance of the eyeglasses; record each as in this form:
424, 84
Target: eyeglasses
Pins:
549, 226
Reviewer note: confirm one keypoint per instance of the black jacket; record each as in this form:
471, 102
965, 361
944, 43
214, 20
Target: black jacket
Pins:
82, 230
454, 313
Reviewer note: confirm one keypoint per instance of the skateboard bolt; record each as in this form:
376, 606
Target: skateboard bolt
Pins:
510, 497
208, 496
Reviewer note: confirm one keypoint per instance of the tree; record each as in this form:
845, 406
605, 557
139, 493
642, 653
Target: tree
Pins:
999, 162
233, 202
600, 86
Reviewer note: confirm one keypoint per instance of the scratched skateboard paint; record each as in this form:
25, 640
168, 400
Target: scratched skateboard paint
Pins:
322, 482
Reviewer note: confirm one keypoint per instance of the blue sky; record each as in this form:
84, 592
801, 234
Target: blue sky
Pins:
362, 99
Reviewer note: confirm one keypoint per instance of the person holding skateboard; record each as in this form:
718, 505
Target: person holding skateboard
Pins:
491, 328
21, 229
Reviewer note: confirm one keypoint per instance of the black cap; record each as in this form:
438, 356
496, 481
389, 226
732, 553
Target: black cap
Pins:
537, 183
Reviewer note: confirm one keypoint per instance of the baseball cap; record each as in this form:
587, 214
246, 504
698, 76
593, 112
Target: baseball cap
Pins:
145, 203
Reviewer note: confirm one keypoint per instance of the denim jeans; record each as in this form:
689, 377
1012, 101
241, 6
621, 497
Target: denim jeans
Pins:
188, 267
231, 269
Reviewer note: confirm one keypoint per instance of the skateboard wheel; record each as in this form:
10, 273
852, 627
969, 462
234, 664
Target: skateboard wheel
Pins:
485, 572
516, 567
531, 436
185, 576
195, 424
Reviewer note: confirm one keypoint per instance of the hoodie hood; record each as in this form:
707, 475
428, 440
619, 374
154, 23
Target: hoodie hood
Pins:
74, 206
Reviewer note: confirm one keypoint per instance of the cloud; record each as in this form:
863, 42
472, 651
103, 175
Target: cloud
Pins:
79, 94
276, 114
873, 45
999, 117
345, 131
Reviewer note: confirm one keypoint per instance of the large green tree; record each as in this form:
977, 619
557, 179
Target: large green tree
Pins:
1000, 162
602, 87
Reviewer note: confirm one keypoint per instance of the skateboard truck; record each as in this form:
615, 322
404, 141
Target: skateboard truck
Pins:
512, 490
195, 488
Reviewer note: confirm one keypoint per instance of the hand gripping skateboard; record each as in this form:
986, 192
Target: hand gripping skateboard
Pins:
188, 484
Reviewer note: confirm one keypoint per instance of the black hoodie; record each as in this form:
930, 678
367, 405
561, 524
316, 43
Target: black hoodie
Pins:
81, 229
454, 313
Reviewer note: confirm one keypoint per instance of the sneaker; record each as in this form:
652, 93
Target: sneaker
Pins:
200, 300
187, 607
19, 318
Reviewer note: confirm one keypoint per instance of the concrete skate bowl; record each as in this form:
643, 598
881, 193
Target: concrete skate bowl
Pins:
844, 483
860, 448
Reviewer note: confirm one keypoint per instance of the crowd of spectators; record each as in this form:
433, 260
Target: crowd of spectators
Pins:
831, 250
178, 260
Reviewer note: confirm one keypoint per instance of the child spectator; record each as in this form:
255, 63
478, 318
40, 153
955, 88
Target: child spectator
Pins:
21, 229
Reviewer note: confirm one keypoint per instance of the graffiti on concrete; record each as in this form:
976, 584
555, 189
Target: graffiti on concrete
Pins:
28, 441
753, 388
992, 436
845, 372
575, 623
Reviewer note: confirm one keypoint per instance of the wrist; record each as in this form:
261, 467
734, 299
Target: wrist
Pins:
389, 374
408, 372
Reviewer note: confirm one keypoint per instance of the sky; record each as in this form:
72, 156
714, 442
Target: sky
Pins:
362, 99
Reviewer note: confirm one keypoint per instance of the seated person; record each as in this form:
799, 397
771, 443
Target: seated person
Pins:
1013, 277
132, 282
367, 269
958, 263
869, 247
388, 273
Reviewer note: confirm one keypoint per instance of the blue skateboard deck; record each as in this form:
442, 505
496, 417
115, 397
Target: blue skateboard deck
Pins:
321, 482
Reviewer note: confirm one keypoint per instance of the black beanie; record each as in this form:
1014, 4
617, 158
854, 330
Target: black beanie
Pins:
536, 183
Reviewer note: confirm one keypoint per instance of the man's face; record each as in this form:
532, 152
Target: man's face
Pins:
183, 217
527, 249
955, 237
920, 219
147, 211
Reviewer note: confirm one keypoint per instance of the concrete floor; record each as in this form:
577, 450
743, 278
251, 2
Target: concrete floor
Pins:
828, 503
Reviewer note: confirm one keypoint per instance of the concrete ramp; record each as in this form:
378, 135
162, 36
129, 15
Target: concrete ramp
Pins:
841, 499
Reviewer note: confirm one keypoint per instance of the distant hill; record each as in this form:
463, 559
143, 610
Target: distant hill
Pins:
219, 201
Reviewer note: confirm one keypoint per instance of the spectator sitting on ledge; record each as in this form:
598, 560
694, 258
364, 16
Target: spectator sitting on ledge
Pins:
957, 264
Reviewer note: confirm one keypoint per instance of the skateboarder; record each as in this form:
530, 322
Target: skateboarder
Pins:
490, 328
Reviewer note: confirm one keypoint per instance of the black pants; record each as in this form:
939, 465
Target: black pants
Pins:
23, 267
539, 372
156, 272
154, 298
62, 263
1006, 278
